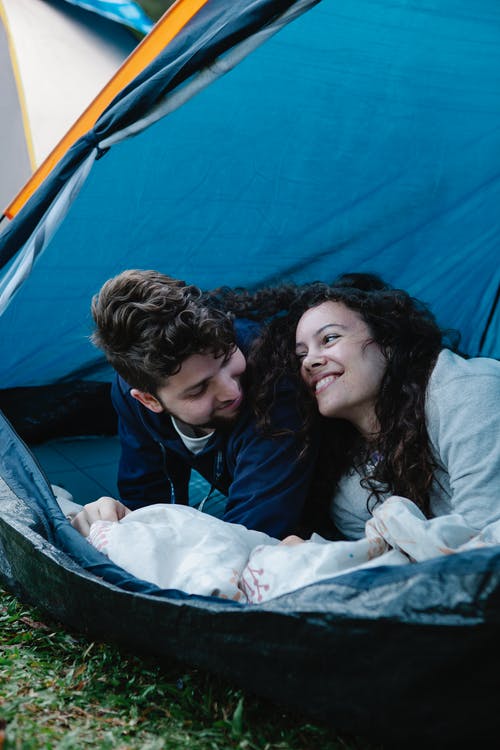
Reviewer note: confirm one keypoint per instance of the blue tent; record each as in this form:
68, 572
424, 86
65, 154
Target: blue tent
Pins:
359, 137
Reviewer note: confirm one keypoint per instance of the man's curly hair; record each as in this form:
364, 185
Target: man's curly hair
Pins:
147, 324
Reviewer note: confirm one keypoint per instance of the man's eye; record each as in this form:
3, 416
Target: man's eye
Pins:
198, 392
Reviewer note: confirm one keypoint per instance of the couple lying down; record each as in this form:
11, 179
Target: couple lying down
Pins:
178, 547
402, 416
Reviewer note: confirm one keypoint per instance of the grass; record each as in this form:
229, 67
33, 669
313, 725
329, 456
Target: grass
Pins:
61, 692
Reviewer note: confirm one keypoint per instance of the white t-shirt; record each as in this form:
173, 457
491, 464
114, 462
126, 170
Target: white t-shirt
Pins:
193, 444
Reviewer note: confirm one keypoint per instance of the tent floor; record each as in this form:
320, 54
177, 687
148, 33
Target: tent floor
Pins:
87, 468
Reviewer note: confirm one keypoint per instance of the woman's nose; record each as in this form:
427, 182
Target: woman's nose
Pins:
312, 360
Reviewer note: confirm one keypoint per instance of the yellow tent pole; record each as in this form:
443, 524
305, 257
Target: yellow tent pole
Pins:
167, 28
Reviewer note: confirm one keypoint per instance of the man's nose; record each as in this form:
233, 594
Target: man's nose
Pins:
228, 390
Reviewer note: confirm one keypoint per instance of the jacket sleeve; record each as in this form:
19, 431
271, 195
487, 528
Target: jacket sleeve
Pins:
270, 480
144, 474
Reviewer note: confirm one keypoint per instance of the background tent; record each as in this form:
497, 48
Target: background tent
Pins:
362, 136
54, 59
137, 15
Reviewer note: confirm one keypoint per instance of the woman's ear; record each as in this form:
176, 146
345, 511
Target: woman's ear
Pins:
147, 400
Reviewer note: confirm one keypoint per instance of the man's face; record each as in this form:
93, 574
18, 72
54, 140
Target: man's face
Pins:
204, 393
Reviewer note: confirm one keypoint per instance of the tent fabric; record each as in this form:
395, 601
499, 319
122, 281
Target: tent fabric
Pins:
353, 139
214, 33
54, 61
359, 651
165, 30
209, 33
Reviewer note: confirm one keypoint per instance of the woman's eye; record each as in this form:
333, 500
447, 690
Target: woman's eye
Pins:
329, 338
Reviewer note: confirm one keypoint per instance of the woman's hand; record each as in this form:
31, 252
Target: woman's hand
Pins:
104, 509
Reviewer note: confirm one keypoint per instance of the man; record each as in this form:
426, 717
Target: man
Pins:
180, 398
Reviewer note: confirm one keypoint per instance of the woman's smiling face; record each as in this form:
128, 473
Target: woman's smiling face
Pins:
341, 364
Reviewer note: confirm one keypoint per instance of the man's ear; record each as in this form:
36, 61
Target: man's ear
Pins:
147, 400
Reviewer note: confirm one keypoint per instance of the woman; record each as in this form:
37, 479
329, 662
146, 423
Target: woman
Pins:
406, 414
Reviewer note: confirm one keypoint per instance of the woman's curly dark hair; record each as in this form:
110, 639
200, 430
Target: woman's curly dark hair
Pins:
410, 339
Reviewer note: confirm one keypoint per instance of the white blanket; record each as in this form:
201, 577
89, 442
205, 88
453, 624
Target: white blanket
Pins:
178, 547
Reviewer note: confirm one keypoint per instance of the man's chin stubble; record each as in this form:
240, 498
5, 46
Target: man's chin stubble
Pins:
221, 423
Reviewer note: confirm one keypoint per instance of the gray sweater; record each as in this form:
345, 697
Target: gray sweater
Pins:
463, 423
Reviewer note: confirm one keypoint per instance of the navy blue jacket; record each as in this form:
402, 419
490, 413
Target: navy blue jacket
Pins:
265, 481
